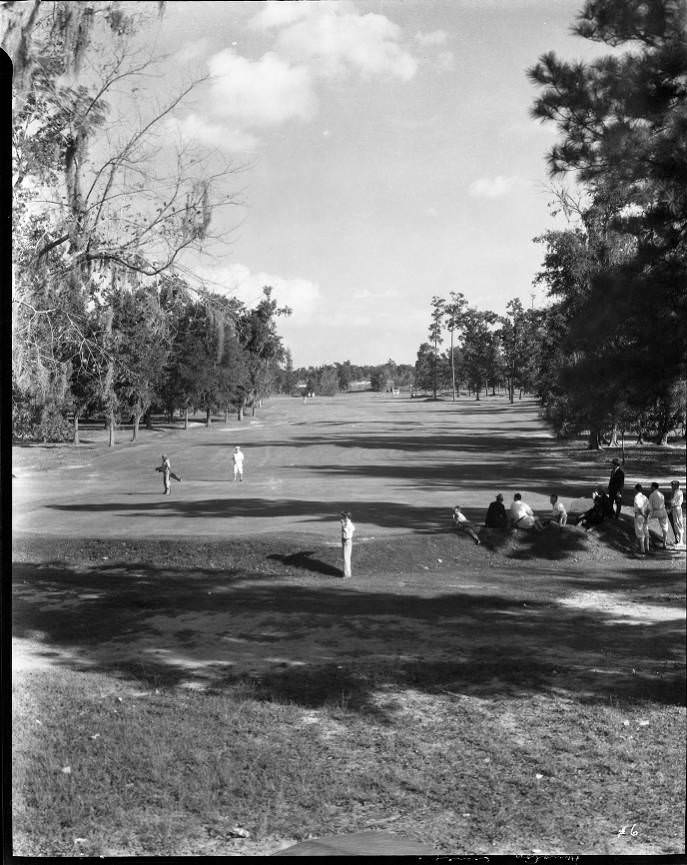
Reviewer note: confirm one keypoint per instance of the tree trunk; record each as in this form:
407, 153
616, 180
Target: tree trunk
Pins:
76, 429
240, 411
252, 409
148, 420
134, 432
453, 369
186, 418
594, 443
662, 438
622, 445
111, 427
226, 415
511, 393
208, 418
520, 395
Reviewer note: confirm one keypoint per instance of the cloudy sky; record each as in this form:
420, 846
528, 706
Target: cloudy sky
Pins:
388, 154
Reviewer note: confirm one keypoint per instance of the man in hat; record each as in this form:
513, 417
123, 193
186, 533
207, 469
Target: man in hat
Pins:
615, 487
347, 529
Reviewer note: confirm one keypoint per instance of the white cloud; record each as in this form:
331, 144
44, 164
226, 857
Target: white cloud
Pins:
218, 135
236, 280
435, 37
446, 60
493, 187
333, 37
262, 92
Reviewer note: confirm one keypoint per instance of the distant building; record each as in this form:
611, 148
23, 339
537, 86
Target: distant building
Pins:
362, 384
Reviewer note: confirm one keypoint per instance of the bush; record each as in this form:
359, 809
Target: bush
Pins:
53, 426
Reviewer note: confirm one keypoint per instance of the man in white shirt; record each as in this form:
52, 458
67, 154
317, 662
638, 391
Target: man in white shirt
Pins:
657, 505
676, 513
522, 516
237, 458
558, 512
347, 529
641, 511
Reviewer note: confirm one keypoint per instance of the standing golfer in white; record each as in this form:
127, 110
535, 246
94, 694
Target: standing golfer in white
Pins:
237, 458
347, 529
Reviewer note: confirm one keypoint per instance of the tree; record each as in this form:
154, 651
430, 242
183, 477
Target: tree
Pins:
94, 196
257, 333
478, 348
453, 311
623, 119
435, 336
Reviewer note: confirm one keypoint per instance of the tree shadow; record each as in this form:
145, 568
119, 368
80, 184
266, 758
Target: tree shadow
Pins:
345, 645
305, 561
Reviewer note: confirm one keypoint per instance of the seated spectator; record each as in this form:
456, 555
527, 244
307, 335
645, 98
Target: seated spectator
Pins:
601, 508
496, 518
463, 524
558, 512
522, 516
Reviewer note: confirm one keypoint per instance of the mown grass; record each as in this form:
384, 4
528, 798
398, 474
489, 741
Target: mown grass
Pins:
177, 772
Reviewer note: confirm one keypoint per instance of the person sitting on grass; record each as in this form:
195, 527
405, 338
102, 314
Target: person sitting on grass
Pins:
559, 515
522, 516
463, 524
600, 509
496, 518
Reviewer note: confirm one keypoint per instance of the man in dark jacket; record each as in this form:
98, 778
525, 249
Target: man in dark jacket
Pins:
615, 487
496, 518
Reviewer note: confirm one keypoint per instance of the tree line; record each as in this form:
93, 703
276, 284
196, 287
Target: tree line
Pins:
607, 351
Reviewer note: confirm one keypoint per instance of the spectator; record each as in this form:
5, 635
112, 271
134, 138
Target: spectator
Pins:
558, 512
615, 487
657, 505
600, 509
522, 516
496, 518
641, 511
463, 524
675, 513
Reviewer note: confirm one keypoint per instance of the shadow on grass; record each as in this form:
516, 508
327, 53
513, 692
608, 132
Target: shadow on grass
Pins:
305, 561
346, 645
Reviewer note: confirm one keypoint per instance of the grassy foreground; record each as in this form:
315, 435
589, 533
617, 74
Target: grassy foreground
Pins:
480, 710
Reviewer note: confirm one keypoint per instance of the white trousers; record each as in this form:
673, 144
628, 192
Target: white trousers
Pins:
347, 547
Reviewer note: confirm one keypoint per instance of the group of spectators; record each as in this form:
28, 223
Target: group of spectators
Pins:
605, 505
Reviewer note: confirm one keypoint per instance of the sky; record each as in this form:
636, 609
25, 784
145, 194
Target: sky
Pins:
387, 156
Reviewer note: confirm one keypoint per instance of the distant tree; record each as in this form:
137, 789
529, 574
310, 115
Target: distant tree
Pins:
453, 311
435, 336
478, 350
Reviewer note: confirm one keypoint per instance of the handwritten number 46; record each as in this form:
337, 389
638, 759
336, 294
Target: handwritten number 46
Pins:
634, 832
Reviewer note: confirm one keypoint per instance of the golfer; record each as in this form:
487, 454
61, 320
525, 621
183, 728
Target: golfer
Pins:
237, 459
347, 529
167, 473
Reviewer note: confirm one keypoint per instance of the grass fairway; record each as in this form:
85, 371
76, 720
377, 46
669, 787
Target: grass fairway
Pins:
192, 676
